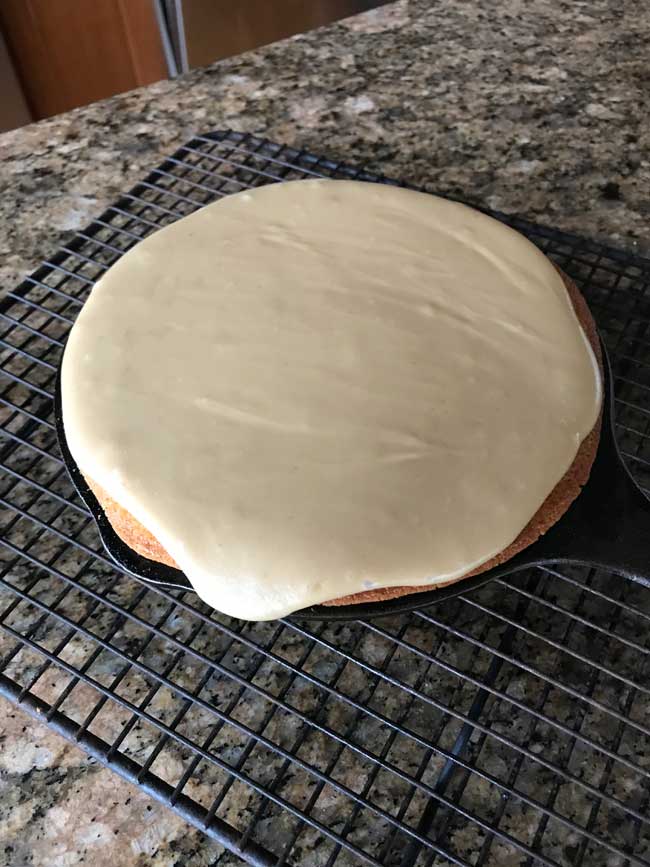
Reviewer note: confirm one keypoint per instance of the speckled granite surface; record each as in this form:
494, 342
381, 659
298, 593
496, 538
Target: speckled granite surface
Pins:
539, 113
58, 808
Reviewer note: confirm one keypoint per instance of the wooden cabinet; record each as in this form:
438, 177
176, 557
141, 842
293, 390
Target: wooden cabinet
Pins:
221, 28
14, 110
72, 52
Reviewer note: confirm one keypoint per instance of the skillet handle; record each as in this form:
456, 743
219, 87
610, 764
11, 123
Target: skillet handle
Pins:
608, 525
629, 550
612, 526
617, 529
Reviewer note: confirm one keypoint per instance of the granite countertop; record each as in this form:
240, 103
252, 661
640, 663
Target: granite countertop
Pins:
539, 113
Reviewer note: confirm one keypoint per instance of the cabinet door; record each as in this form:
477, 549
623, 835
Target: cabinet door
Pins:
14, 110
221, 28
73, 52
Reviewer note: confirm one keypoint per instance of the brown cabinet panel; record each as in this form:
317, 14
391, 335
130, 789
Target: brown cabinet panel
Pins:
221, 28
73, 52
14, 110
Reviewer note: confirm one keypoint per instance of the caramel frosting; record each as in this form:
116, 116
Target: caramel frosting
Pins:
317, 388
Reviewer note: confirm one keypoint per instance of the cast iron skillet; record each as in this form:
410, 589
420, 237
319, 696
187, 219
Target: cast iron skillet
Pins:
607, 526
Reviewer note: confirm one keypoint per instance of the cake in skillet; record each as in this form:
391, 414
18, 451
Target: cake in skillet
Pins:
332, 392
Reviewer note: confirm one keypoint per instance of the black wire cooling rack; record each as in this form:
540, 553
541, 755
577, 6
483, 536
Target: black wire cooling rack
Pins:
510, 726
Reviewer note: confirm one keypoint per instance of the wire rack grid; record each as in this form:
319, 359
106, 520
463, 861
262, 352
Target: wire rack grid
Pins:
510, 726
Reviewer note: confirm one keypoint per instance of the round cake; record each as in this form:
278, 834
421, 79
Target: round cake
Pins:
332, 392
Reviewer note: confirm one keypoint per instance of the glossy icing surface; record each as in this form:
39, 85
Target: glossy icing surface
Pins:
320, 387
